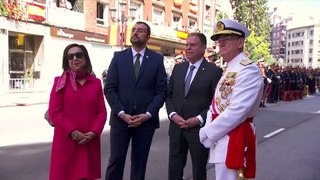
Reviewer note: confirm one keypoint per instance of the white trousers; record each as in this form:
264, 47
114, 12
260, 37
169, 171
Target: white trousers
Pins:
223, 173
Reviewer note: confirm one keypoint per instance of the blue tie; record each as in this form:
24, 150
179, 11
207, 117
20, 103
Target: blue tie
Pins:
188, 80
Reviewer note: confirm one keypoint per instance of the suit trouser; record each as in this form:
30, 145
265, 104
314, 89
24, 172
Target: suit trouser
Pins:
119, 142
179, 144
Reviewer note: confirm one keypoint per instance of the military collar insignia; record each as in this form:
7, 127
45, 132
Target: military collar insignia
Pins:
246, 61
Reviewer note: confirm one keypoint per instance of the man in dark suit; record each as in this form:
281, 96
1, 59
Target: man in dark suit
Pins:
187, 108
135, 94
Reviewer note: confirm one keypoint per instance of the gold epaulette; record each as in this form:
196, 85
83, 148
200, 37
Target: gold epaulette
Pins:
246, 61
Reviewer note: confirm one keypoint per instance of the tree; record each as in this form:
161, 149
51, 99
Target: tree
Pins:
222, 15
254, 15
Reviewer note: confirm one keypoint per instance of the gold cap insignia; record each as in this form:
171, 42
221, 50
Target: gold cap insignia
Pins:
220, 26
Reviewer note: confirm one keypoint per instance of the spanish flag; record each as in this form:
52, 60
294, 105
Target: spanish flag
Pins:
36, 12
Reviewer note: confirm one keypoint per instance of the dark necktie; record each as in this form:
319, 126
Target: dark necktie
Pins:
188, 80
137, 65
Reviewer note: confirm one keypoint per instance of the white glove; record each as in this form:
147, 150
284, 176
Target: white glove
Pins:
202, 135
208, 143
269, 80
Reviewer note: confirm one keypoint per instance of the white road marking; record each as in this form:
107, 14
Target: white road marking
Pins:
274, 133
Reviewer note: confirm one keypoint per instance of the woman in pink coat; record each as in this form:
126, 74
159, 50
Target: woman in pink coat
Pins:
78, 112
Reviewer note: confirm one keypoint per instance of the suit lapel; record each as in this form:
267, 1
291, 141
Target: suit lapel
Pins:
129, 64
146, 60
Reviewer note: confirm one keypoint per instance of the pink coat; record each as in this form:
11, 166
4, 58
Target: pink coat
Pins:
84, 111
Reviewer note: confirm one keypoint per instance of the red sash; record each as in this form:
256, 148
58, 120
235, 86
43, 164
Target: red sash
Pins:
242, 145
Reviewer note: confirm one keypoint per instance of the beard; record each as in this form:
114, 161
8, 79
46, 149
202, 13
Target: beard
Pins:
137, 41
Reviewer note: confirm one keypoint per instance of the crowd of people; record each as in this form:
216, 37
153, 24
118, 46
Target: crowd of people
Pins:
289, 82
210, 109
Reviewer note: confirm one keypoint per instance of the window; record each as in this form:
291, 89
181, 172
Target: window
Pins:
207, 13
311, 41
310, 50
138, 9
177, 22
192, 25
102, 15
310, 60
158, 17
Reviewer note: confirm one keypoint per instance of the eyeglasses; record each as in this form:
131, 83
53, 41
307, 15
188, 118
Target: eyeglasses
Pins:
78, 55
226, 38
139, 30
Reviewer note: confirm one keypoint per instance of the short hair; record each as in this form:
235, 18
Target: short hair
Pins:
148, 27
65, 63
201, 36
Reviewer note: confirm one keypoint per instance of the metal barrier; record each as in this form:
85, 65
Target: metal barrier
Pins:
27, 85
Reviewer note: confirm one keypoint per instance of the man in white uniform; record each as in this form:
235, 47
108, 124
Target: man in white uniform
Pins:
229, 130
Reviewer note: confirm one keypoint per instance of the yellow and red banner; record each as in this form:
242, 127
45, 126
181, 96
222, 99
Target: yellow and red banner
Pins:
128, 34
36, 12
193, 6
114, 38
182, 35
177, 3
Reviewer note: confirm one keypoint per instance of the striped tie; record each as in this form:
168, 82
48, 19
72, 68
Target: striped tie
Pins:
188, 80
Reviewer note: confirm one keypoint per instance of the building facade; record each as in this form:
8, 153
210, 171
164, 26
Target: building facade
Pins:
303, 45
33, 37
278, 41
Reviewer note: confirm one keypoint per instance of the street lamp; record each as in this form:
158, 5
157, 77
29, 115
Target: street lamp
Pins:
123, 18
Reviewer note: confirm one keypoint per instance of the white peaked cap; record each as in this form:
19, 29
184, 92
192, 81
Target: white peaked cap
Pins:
228, 26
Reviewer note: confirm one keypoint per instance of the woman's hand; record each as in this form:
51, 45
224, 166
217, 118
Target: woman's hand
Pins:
77, 136
87, 137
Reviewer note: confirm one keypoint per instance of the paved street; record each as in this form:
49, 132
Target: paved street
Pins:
293, 153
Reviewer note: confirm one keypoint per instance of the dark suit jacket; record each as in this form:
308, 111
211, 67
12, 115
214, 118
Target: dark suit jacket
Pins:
146, 94
199, 97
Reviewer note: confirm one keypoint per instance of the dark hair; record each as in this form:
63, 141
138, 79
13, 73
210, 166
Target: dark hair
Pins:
65, 63
148, 27
201, 36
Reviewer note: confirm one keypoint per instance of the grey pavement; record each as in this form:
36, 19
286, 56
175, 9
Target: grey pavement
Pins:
17, 132
23, 99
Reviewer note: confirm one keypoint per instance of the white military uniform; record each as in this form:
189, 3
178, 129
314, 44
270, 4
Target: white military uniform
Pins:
237, 97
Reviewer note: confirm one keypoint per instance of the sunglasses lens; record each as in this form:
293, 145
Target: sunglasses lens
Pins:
69, 56
78, 55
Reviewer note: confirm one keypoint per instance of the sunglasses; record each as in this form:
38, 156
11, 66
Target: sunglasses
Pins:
78, 55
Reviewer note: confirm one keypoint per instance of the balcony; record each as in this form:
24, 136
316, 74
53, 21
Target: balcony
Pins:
164, 32
63, 17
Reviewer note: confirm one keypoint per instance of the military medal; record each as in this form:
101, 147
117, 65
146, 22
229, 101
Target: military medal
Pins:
225, 89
